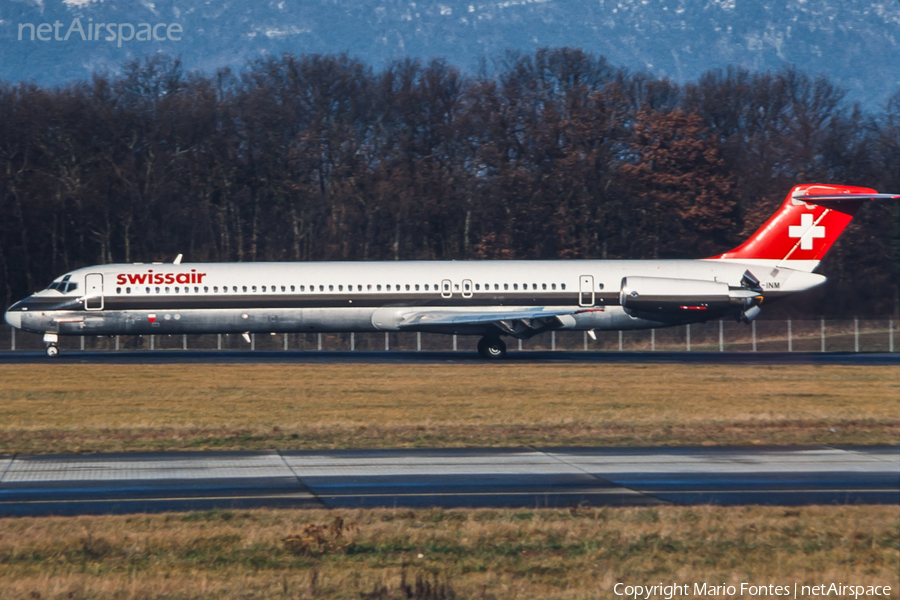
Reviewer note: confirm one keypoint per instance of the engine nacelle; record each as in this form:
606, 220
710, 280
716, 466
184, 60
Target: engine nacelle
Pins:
682, 296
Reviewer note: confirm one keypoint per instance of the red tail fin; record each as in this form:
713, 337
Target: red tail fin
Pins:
806, 226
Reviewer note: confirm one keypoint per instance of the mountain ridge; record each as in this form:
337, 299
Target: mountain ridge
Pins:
855, 45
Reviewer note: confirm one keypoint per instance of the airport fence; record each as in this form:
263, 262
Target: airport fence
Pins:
821, 335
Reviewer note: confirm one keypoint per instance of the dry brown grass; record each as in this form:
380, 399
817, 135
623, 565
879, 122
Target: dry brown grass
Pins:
73, 408
496, 554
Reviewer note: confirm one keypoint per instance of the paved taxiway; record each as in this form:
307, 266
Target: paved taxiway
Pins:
511, 477
430, 357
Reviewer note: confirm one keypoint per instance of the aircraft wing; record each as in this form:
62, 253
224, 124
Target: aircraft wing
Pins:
524, 323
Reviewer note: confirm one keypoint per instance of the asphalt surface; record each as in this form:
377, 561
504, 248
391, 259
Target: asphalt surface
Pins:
462, 357
512, 477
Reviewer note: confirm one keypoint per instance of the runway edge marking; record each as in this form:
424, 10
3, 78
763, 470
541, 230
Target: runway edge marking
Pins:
612, 484
303, 486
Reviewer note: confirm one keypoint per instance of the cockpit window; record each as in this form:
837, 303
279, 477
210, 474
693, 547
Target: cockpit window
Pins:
63, 286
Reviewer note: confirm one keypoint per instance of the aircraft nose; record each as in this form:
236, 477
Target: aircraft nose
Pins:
14, 318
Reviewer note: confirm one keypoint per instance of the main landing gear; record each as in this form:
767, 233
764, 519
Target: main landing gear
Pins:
492, 348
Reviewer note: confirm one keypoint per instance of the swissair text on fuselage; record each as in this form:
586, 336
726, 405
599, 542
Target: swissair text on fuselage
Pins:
150, 277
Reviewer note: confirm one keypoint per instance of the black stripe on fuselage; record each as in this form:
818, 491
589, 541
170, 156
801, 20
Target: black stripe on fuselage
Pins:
313, 300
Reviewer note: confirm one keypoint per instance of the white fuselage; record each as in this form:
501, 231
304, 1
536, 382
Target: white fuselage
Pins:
365, 296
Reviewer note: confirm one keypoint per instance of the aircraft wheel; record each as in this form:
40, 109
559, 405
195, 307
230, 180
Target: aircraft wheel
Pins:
52, 350
492, 348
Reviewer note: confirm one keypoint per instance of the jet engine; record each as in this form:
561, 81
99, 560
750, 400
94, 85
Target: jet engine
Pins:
690, 298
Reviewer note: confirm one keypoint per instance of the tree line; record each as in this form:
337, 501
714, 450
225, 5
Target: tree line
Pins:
556, 154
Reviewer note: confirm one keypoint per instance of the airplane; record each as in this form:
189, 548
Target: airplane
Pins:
492, 299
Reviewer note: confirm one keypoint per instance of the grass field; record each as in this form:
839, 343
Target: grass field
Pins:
80, 408
498, 554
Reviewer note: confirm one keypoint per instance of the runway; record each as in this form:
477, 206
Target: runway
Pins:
445, 357
455, 477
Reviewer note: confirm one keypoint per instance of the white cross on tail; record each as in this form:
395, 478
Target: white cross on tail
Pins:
806, 232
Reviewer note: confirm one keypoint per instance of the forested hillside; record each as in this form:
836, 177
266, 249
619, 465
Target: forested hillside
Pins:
555, 155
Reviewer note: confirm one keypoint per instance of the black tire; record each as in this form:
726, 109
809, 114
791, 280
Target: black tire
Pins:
52, 351
491, 348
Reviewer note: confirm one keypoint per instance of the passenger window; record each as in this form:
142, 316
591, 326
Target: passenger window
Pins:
496, 286
128, 290
562, 286
216, 289
466, 287
369, 287
534, 286
456, 286
600, 286
176, 289
426, 287
515, 286
245, 288
553, 286
543, 286
282, 288
148, 290
407, 287
321, 288
379, 287
157, 290
505, 286
205, 289
118, 290
477, 286
340, 288
167, 290
359, 288
388, 287
263, 288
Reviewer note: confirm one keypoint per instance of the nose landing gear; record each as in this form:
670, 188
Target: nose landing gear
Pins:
491, 348
52, 349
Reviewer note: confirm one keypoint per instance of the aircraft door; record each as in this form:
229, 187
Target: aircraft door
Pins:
467, 288
93, 291
586, 290
446, 288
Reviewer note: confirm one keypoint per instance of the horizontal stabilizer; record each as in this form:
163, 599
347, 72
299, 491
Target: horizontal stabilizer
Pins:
816, 198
